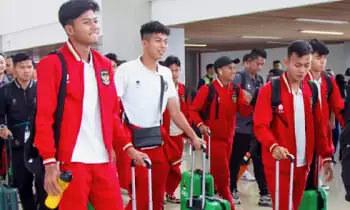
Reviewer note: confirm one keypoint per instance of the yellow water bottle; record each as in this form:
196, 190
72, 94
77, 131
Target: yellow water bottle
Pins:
64, 180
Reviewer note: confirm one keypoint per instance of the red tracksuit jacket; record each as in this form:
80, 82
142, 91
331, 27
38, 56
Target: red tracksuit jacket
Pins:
183, 107
49, 77
278, 128
224, 127
335, 104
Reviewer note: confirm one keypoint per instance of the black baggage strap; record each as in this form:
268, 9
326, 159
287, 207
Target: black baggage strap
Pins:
60, 100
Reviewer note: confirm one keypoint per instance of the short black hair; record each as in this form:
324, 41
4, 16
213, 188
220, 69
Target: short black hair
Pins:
20, 57
2, 55
120, 62
246, 57
276, 62
10, 56
170, 60
300, 47
72, 9
256, 53
112, 57
210, 66
153, 27
319, 47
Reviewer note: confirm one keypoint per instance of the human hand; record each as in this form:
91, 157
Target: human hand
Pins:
52, 174
328, 170
5, 132
137, 156
279, 153
204, 129
247, 96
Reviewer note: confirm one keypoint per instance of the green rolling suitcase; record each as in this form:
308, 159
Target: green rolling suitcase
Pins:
202, 202
8, 194
197, 182
90, 207
315, 199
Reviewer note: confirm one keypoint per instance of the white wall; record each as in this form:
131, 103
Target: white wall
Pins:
122, 20
30, 23
171, 12
176, 43
339, 53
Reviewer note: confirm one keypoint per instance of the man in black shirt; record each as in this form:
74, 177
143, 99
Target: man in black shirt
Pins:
17, 105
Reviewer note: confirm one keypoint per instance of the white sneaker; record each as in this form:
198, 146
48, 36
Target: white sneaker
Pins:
248, 177
235, 198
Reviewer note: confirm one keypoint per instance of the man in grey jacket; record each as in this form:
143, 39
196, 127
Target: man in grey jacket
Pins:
244, 139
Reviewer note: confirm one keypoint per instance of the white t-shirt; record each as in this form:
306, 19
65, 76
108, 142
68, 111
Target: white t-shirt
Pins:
174, 130
299, 127
90, 147
139, 90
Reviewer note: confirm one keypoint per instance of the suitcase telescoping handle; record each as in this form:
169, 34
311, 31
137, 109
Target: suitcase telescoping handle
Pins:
204, 151
133, 183
209, 149
277, 195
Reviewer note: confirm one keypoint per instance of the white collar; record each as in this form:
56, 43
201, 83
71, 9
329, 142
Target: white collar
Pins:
76, 55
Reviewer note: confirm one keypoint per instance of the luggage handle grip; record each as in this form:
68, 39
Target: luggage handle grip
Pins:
147, 162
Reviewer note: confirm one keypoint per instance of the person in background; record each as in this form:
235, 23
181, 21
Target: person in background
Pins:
9, 68
208, 78
276, 71
91, 129
290, 117
17, 104
34, 72
114, 59
244, 139
146, 89
175, 133
221, 123
3, 77
332, 104
120, 62
245, 60
340, 80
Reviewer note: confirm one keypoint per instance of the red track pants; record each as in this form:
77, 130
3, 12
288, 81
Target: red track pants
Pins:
174, 177
219, 166
300, 176
160, 171
97, 183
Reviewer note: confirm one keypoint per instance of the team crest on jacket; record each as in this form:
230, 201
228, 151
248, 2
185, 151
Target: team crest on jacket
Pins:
234, 98
105, 77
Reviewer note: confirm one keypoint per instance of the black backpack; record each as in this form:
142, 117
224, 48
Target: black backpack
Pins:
328, 79
276, 94
210, 98
32, 159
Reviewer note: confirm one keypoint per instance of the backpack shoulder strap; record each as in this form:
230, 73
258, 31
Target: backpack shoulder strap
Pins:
261, 80
314, 90
329, 85
276, 93
60, 98
236, 89
243, 80
209, 101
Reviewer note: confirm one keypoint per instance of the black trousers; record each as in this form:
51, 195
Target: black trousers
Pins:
242, 144
23, 181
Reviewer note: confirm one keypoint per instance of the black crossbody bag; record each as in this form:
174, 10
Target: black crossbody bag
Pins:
149, 137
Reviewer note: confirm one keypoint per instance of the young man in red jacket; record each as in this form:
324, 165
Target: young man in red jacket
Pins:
146, 89
175, 133
331, 102
90, 122
295, 127
219, 117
